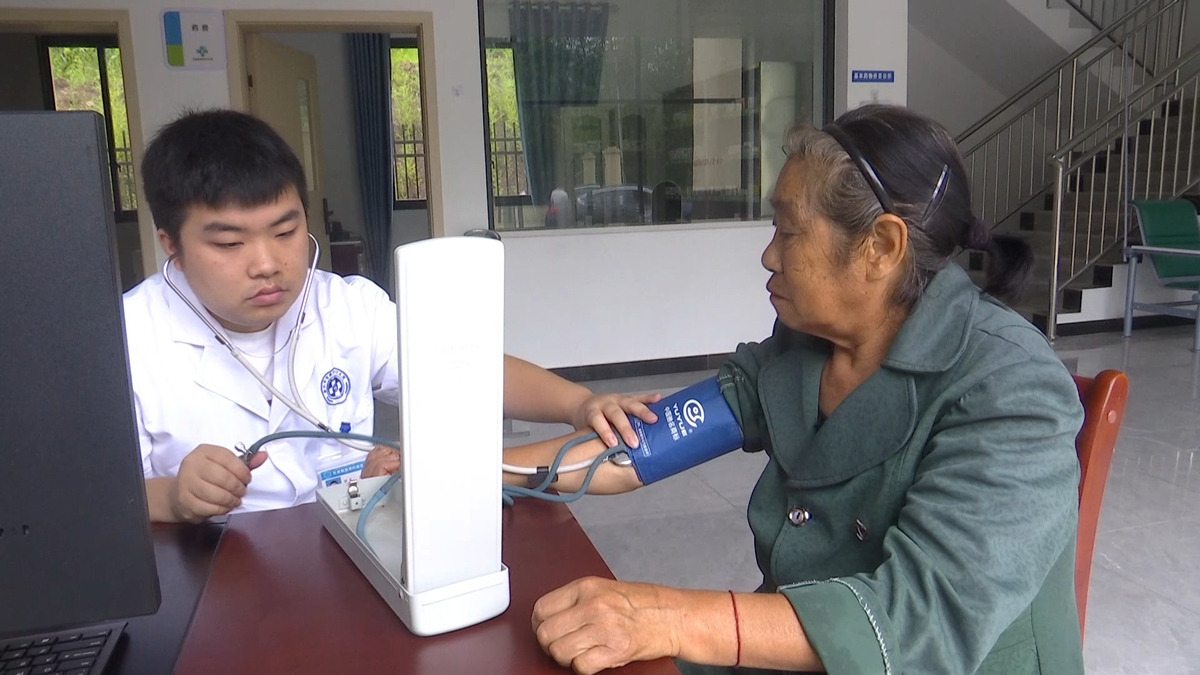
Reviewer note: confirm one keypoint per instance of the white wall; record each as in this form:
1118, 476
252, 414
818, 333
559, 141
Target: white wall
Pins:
870, 36
603, 296
940, 86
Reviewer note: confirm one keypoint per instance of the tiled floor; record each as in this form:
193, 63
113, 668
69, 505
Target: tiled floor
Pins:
1144, 605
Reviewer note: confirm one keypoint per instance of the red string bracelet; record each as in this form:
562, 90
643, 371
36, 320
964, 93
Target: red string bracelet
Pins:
737, 626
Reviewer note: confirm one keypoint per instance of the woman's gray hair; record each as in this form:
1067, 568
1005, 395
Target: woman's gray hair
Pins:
912, 156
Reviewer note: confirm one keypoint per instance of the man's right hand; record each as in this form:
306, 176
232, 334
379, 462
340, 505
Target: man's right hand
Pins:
211, 482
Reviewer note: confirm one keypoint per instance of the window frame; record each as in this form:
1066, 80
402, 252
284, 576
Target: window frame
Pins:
99, 42
409, 42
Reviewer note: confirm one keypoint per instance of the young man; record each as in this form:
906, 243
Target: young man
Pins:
229, 199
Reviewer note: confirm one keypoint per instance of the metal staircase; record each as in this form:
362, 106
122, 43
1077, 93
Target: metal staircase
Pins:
1057, 163
1144, 151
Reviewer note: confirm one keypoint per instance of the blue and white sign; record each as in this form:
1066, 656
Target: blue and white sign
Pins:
872, 76
194, 39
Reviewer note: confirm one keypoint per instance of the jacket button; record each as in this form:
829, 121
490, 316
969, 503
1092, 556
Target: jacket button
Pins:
860, 530
799, 516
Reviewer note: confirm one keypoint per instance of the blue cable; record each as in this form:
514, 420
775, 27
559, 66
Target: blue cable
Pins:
361, 526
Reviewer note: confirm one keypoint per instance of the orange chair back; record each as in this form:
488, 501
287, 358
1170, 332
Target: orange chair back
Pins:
1103, 398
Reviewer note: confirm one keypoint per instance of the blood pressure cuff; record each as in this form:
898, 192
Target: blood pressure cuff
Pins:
694, 425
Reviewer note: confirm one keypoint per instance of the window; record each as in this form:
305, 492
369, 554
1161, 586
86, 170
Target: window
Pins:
646, 112
84, 73
510, 184
408, 129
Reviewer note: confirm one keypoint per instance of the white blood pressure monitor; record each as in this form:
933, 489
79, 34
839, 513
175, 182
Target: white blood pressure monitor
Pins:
434, 539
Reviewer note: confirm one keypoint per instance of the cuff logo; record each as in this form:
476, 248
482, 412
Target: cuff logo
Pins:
693, 413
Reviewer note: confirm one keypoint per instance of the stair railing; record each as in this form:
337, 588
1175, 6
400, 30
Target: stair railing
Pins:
1005, 152
1141, 151
1102, 13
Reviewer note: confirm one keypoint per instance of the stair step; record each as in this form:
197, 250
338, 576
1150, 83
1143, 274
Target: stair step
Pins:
1102, 181
1043, 221
1145, 160
1036, 296
1187, 139
1042, 269
1097, 201
1173, 125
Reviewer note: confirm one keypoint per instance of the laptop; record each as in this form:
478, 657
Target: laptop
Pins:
76, 554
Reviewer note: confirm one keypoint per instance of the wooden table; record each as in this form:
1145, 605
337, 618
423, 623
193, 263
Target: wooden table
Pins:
282, 597
184, 554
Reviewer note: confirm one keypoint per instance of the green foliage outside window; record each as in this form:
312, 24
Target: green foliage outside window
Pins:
76, 81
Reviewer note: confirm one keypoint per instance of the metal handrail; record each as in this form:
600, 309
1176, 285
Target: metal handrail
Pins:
1098, 23
1053, 71
1146, 88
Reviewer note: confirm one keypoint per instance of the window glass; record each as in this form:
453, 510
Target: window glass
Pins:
645, 111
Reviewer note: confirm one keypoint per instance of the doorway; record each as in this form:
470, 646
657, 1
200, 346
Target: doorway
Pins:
292, 69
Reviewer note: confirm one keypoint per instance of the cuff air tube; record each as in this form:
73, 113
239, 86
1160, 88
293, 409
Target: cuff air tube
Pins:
694, 425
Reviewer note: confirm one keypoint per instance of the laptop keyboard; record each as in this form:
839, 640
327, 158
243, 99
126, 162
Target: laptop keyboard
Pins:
84, 651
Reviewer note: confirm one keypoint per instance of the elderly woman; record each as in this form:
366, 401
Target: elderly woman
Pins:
917, 513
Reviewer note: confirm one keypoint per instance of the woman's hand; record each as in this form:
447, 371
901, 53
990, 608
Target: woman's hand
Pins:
593, 624
381, 461
604, 412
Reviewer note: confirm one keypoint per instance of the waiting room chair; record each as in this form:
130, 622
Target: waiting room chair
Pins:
1103, 398
1171, 239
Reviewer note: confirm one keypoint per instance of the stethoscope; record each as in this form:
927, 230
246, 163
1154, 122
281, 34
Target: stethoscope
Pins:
295, 402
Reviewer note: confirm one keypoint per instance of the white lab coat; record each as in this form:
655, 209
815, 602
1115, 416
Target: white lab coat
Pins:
189, 390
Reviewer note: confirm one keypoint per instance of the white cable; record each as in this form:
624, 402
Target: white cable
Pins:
530, 471
300, 408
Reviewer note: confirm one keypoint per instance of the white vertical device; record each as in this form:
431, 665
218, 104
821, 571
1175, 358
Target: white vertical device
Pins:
434, 539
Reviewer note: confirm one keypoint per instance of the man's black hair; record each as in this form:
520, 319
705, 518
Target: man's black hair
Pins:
217, 159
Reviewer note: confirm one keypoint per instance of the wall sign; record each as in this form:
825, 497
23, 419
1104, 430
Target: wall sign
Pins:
194, 39
872, 76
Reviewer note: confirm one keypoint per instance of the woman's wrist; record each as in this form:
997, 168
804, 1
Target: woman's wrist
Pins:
705, 628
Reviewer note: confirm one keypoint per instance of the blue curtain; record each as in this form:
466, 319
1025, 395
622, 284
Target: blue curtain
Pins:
558, 59
371, 87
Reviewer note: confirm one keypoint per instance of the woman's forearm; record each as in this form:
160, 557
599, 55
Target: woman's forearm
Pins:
608, 479
535, 394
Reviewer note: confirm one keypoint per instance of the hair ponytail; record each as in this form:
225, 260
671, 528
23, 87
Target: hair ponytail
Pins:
1010, 260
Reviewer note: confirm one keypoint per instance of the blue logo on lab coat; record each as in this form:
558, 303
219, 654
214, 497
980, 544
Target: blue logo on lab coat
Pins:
335, 386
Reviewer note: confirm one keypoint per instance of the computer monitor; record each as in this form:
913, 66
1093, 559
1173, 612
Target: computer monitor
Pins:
75, 543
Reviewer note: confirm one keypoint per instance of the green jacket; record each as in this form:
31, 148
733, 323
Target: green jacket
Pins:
928, 526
